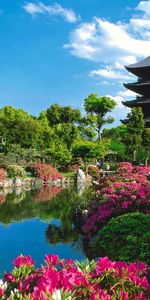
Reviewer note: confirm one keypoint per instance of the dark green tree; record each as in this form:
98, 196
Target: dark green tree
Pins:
146, 143
135, 127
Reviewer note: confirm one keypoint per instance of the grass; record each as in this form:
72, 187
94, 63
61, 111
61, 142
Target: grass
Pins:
68, 174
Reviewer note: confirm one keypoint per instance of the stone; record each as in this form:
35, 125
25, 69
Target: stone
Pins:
80, 176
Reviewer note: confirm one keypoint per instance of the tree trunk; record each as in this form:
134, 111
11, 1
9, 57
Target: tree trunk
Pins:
147, 157
99, 135
134, 155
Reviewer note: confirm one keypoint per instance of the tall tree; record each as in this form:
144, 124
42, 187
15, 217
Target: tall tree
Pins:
96, 109
146, 143
135, 127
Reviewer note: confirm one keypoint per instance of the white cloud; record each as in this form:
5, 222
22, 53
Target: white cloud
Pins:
110, 74
113, 45
52, 10
144, 6
126, 93
104, 41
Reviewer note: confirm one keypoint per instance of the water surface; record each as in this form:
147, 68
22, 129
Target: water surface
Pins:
38, 222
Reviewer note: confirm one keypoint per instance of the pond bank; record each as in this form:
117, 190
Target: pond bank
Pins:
29, 181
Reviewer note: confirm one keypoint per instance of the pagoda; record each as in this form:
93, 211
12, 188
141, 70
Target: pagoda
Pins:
141, 87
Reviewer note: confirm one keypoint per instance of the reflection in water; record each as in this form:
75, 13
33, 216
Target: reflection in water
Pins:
58, 234
40, 222
47, 193
81, 187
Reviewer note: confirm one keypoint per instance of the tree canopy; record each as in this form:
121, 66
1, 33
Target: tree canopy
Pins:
96, 109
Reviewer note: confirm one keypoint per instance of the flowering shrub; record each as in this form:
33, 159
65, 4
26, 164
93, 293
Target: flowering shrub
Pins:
45, 172
60, 279
117, 195
118, 199
3, 174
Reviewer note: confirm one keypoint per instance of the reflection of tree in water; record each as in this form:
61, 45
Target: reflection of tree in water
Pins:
58, 234
25, 204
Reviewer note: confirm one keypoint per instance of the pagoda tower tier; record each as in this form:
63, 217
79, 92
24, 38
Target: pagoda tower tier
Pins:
141, 87
141, 69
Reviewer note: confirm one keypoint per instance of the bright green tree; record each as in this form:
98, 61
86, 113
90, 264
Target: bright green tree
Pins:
18, 127
97, 108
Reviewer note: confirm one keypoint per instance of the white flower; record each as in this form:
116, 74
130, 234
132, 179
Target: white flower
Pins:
56, 295
3, 285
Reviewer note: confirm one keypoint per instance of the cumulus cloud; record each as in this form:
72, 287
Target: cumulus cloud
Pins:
144, 6
110, 74
113, 45
51, 10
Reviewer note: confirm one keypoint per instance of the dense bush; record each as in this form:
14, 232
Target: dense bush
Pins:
15, 171
60, 279
45, 172
125, 238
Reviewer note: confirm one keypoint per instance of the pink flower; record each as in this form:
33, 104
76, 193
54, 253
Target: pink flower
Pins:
1, 292
52, 259
23, 260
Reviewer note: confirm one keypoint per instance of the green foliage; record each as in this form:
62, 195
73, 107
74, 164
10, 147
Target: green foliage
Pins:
146, 143
119, 148
57, 114
135, 127
59, 154
97, 108
125, 238
15, 171
88, 150
118, 134
18, 127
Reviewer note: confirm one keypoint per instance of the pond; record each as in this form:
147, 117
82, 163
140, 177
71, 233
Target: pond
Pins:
38, 222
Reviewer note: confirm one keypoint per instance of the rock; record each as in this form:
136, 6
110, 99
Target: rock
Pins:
80, 176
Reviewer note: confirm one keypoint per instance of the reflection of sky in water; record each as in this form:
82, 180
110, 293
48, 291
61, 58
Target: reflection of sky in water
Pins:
29, 237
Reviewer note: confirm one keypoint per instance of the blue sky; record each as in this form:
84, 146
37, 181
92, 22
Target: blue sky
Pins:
60, 52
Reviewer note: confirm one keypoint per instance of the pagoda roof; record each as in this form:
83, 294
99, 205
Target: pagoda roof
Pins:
138, 87
136, 102
141, 68
146, 120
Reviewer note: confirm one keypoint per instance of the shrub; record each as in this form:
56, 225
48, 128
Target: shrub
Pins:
66, 279
125, 238
45, 172
15, 171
